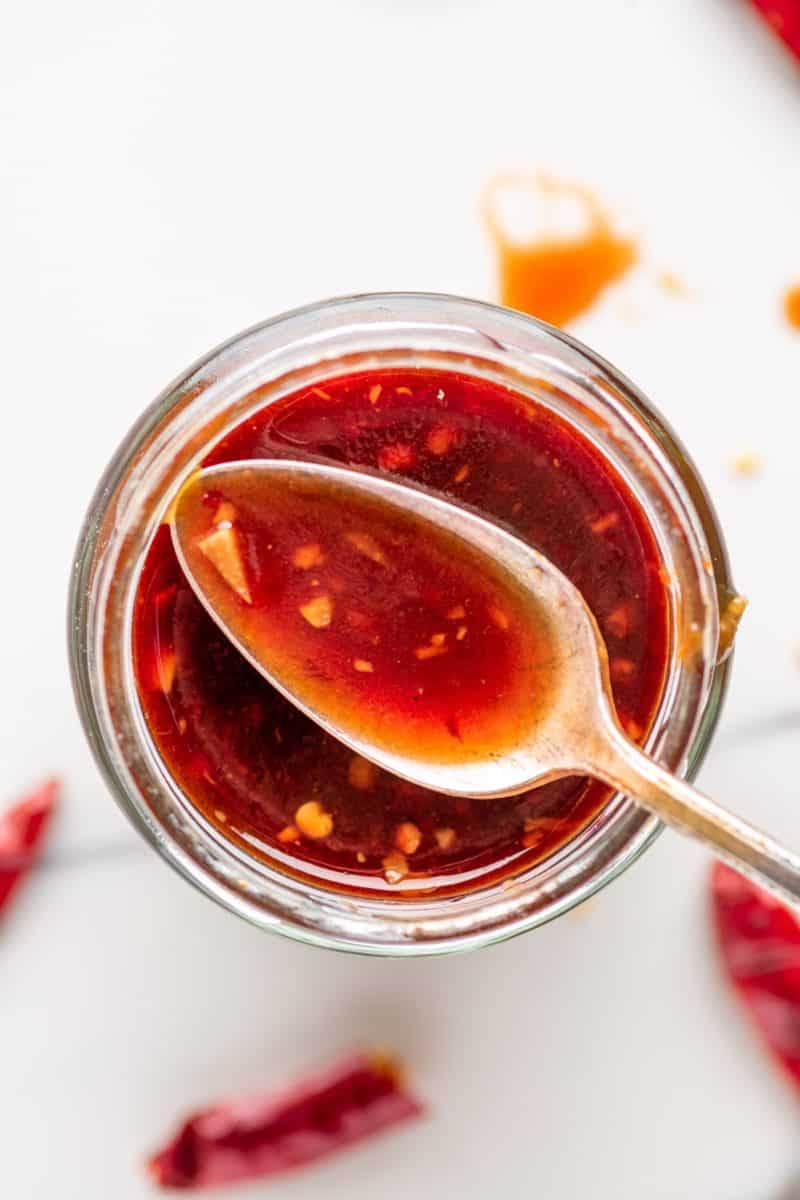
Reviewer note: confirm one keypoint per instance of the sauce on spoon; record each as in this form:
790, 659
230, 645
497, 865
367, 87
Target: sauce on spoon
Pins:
389, 625
566, 725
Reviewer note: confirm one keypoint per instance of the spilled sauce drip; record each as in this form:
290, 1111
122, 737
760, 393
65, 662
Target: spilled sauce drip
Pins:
732, 609
556, 278
791, 306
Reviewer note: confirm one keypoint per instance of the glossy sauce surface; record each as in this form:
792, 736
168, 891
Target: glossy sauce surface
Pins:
272, 780
386, 625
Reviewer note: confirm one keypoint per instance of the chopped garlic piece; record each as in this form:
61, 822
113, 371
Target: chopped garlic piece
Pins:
498, 617
225, 513
365, 544
425, 652
361, 773
440, 439
395, 867
318, 611
221, 548
444, 838
313, 821
407, 837
308, 556
604, 523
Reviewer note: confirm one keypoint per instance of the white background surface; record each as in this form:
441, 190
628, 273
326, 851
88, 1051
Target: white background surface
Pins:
172, 172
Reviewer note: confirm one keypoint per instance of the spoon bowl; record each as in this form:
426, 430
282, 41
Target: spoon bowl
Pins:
568, 727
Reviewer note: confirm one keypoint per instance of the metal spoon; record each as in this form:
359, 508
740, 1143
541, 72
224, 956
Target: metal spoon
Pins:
578, 734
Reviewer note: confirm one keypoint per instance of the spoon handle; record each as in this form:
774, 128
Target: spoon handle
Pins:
743, 846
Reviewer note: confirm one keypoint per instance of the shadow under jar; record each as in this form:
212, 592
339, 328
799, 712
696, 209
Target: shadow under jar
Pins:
247, 797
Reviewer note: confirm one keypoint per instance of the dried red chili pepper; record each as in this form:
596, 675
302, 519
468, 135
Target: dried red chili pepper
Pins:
784, 18
760, 943
269, 1134
22, 831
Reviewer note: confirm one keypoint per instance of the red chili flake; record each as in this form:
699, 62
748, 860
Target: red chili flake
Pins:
760, 943
22, 831
263, 1135
784, 18
396, 456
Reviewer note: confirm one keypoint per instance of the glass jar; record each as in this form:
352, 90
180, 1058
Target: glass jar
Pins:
301, 349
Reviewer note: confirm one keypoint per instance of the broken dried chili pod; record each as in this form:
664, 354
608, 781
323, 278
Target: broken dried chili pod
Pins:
22, 831
760, 942
784, 18
269, 1134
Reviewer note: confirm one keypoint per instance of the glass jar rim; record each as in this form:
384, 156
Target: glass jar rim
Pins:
301, 348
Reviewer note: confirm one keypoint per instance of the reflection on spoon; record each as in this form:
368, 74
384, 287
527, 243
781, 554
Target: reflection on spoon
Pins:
428, 639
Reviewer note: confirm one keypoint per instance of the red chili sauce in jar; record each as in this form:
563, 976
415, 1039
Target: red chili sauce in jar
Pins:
412, 635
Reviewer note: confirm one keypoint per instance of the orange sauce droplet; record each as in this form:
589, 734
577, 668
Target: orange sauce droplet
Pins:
791, 306
557, 278
671, 284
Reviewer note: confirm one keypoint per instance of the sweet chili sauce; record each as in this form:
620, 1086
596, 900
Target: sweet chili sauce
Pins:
395, 630
273, 781
791, 306
556, 278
